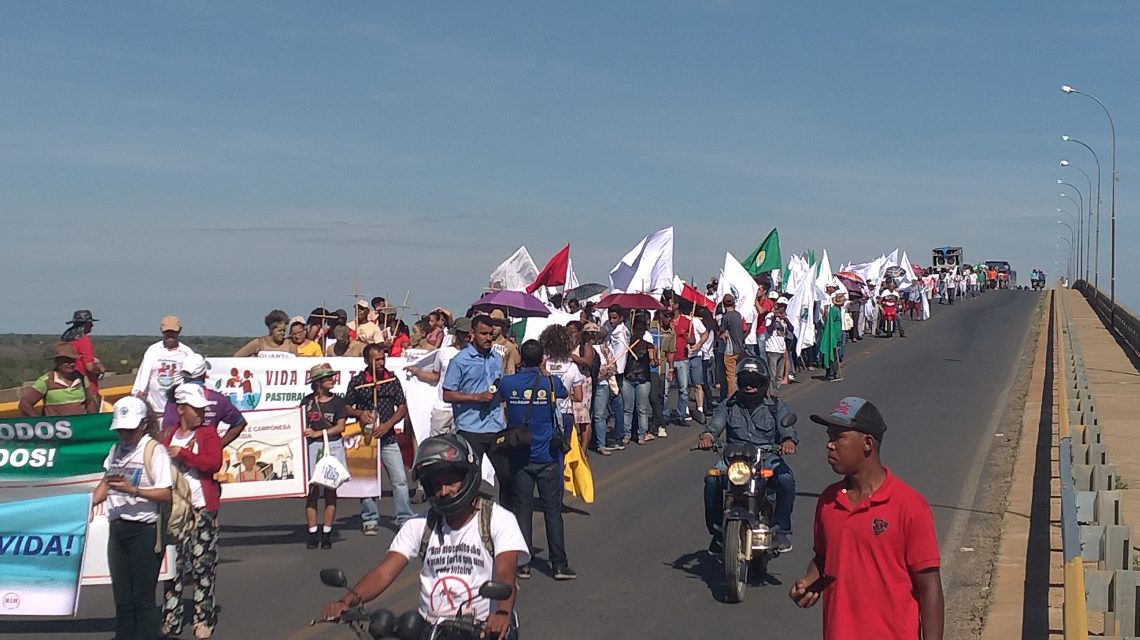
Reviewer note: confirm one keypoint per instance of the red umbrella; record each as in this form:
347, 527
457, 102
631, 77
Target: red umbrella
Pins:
631, 301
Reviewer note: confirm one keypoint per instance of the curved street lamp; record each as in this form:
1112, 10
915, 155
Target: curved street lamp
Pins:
1088, 228
1096, 249
1066, 89
1080, 226
1069, 253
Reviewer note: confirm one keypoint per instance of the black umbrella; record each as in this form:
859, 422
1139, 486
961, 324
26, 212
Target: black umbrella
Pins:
584, 291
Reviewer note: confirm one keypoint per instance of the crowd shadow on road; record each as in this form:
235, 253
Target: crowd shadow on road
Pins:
81, 625
708, 569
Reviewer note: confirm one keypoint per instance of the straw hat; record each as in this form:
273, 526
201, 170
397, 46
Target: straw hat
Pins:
249, 452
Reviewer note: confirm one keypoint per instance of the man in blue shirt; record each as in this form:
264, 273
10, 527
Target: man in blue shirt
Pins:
530, 396
470, 385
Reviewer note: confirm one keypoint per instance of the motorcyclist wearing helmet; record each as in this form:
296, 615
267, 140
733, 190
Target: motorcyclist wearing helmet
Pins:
752, 416
456, 558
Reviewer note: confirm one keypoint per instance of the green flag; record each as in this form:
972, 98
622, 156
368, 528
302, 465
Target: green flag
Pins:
45, 451
766, 257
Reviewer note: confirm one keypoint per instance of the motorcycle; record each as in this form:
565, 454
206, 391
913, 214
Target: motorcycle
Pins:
890, 315
382, 623
749, 503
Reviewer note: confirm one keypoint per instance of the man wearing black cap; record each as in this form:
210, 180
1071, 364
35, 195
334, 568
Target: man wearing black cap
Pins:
876, 561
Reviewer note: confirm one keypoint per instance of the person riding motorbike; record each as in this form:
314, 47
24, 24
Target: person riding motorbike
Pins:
463, 541
752, 416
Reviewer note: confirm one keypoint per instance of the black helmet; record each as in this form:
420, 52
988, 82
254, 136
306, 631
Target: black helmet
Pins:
449, 451
752, 372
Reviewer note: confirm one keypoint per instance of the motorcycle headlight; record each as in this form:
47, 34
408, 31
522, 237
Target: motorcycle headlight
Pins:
739, 473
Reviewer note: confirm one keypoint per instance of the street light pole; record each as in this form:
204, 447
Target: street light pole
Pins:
1069, 254
1112, 259
1096, 251
1088, 228
1081, 258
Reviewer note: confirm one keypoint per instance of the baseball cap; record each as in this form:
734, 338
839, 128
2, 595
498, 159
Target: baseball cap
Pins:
191, 394
462, 325
296, 320
773, 294
128, 412
363, 304
170, 323
193, 366
855, 413
591, 327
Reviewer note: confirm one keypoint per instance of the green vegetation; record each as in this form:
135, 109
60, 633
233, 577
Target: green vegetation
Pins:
24, 357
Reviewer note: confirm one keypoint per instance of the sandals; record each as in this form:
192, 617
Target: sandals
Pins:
646, 439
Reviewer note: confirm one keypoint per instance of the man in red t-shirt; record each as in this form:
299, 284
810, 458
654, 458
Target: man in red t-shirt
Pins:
876, 561
682, 331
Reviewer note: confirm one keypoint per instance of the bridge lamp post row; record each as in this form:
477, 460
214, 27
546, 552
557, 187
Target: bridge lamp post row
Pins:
1068, 90
1089, 225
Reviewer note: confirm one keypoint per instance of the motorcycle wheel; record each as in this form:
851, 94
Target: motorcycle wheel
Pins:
735, 566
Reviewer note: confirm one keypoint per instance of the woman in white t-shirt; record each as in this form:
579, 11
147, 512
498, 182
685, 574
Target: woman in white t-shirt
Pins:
134, 488
556, 346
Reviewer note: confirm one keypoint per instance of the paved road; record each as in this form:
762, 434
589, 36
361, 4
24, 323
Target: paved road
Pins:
639, 550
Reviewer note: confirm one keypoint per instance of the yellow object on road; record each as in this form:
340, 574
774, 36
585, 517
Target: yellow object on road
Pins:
576, 471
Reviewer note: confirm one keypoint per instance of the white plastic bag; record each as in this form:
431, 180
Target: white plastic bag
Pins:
329, 472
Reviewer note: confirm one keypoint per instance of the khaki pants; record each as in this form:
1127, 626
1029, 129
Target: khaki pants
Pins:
442, 421
730, 372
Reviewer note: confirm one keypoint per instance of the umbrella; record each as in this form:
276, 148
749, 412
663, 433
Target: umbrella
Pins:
517, 303
917, 270
851, 281
631, 301
585, 291
894, 273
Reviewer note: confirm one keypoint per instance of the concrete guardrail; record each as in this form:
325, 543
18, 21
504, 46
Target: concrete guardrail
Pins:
1097, 545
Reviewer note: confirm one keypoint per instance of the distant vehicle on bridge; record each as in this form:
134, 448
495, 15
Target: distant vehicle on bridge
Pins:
946, 258
1006, 277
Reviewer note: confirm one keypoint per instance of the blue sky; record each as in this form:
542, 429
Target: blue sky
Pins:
216, 160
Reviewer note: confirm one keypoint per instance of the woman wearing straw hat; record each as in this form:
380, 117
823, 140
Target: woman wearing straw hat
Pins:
324, 415
63, 390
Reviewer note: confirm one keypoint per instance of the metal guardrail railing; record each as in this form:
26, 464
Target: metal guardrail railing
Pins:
1120, 320
1097, 548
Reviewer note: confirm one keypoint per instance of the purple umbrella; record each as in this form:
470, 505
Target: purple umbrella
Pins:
516, 303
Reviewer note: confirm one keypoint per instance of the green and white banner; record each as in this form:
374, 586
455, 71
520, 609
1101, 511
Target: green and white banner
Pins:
42, 456
41, 554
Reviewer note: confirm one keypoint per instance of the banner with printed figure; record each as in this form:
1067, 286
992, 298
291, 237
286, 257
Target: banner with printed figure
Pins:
268, 459
254, 384
41, 554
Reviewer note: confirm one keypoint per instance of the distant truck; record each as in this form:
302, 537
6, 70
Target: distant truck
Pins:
946, 258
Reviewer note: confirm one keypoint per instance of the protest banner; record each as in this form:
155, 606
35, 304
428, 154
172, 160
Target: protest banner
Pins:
268, 459
41, 554
42, 456
281, 383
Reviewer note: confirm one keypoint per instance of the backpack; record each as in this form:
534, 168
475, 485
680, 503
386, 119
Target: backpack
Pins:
176, 521
435, 523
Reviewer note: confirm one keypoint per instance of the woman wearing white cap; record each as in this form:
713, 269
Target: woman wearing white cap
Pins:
196, 450
133, 488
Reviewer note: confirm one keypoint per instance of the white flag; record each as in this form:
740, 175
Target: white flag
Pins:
647, 267
516, 272
800, 308
736, 280
571, 277
908, 272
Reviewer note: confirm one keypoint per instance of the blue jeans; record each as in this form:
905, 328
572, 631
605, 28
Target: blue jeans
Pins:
605, 405
681, 383
547, 478
393, 464
635, 395
783, 483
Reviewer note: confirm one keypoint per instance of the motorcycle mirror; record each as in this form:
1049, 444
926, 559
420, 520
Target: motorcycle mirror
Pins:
789, 420
410, 626
492, 590
382, 623
333, 578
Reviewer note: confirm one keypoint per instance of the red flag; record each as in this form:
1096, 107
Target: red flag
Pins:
554, 273
696, 297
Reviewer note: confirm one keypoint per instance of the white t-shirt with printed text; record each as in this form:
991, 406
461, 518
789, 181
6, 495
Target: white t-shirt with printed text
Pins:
442, 359
570, 375
458, 564
129, 463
